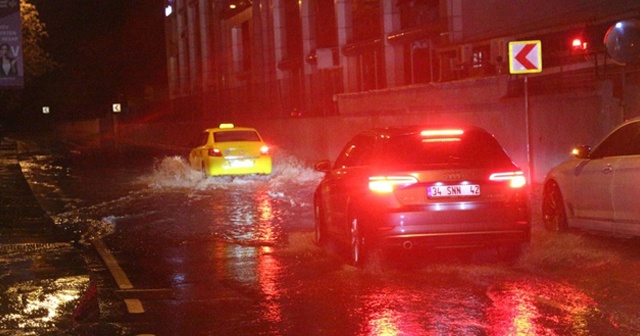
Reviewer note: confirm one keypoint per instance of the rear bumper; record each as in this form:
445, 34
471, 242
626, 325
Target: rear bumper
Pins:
457, 239
221, 166
477, 225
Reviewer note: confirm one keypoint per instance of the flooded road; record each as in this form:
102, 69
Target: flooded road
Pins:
236, 256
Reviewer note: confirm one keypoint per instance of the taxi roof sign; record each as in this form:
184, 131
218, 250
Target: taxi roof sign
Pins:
226, 125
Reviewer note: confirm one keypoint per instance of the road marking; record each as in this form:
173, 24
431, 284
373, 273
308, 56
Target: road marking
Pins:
116, 271
134, 306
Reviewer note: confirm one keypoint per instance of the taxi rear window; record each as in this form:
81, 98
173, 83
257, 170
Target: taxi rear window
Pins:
229, 136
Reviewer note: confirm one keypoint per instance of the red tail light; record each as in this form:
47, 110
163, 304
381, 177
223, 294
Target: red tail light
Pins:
264, 150
516, 179
386, 184
214, 152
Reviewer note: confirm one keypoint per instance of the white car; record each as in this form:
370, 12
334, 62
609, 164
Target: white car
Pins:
599, 189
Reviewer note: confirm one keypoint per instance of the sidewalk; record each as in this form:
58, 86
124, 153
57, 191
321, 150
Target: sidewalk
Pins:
42, 276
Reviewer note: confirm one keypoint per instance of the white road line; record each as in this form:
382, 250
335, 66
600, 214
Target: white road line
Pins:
134, 306
116, 271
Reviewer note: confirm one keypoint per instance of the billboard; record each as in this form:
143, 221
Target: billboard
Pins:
11, 66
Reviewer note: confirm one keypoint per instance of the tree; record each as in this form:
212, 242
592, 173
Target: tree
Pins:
36, 61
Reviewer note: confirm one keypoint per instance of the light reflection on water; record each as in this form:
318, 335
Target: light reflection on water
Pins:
268, 270
39, 303
522, 307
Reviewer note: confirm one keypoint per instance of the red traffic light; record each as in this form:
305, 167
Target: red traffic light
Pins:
578, 44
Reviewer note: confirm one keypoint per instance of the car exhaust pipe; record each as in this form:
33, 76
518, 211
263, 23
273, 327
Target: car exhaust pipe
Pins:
407, 245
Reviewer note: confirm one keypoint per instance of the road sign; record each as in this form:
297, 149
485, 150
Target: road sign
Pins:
116, 108
525, 57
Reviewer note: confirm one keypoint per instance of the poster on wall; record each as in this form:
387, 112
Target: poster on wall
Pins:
11, 69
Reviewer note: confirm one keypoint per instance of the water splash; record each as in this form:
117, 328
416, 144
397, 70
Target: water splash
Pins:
175, 172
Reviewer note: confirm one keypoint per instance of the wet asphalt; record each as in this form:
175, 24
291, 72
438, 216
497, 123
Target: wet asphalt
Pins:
43, 276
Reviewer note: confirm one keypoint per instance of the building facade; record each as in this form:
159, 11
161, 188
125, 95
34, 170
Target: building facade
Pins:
285, 58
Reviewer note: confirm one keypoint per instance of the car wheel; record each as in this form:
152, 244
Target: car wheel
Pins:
553, 210
319, 226
356, 243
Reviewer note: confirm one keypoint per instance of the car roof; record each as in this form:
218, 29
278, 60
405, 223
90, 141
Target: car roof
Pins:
629, 121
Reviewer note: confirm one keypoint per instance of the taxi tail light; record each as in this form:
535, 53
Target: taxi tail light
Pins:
386, 184
516, 179
264, 150
214, 152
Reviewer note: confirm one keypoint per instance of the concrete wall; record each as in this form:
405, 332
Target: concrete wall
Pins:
558, 122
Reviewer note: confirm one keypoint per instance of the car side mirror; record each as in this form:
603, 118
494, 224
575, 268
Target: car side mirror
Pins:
582, 152
323, 166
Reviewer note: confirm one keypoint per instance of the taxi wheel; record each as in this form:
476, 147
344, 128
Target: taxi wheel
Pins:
203, 169
553, 211
356, 243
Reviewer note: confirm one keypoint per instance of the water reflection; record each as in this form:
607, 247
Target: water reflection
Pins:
248, 216
514, 312
36, 304
255, 270
384, 320
266, 227
268, 270
523, 308
453, 304
405, 310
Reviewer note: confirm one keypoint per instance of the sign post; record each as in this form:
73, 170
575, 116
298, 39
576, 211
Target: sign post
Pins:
525, 57
116, 108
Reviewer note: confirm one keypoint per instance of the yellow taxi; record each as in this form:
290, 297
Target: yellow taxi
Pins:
231, 150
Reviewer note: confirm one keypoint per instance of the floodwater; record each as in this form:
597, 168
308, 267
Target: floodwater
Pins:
236, 256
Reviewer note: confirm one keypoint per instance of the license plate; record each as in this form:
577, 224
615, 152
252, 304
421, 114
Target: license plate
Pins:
453, 190
241, 163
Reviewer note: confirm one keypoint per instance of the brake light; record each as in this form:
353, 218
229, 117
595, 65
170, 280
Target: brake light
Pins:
442, 132
264, 150
214, 152
441, 135
386, 184
516, 179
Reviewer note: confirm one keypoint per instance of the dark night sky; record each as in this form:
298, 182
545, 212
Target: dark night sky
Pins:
106, 48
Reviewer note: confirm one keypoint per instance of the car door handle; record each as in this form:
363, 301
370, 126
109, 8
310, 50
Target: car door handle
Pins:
607, 170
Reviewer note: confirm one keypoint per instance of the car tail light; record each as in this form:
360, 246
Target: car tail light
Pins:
516, 179
214, 152
264, 150
386, 184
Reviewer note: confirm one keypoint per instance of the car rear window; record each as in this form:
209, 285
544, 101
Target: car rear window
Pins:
473, 149
229, 136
